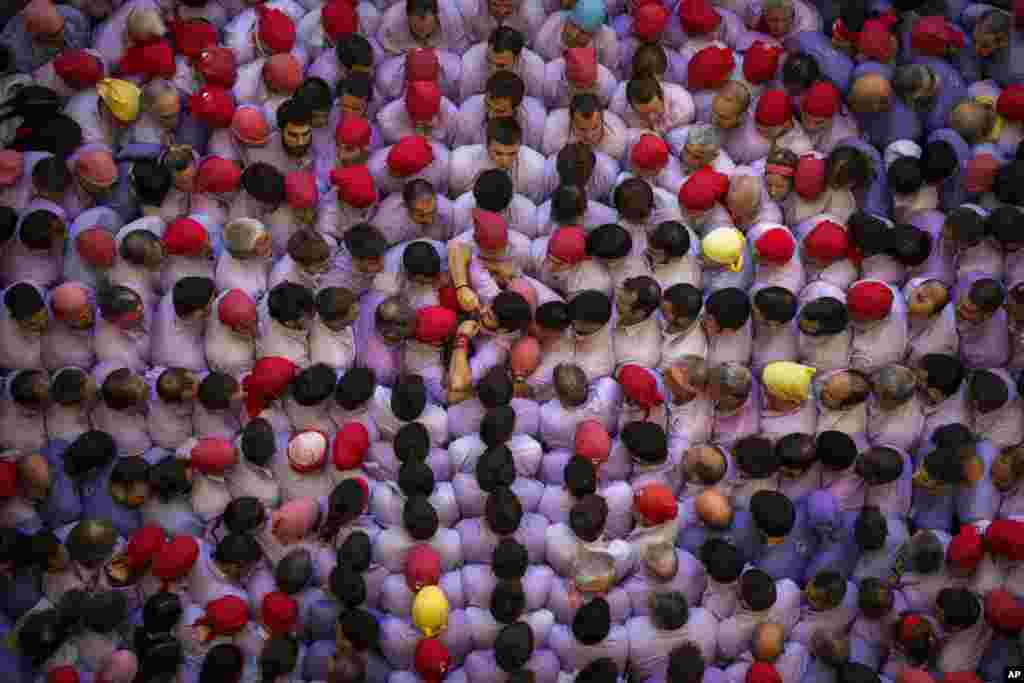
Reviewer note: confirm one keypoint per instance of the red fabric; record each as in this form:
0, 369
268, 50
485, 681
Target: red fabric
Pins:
914, 676
649, 20
276, 30
776, 246
422, 64
279, 612
96, 247
960, 677
710, 68
1010, 104
640, 386
62, 674
282, 73
422, 567
144, 545
8, 479
698, 17
217, 66
650, 153
432, 660
809, 180
435, 324
250, 126
980, 174
1004, 611
269, 378
840, 32
176, 559
568, 244
761, 62
153, 60
1005, 537
773, 108
78, 68
300, 189
966, 549
213, 106
218, 175
703, 189
762, 672
827, 242
350, 446
490, 230
339, 18
656, 504
409, 156
934, 36
185, 237
97, 166
422, 100
592, 442
353, 131
225, 616
869, 300
822, 100
355, 186
192, 36
213, 455
446, 296
581, 66
907, 625
877, 41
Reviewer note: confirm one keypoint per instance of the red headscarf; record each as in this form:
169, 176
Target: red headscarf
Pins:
640, 386
568, 244
192, 36
650, 20
809, 179
218, 175
656, 504
62, 674
153, 60
822, 100
698, 17
144, 545
217, 66
592, 442
581, 66
213, 455
176, 559
279, 612
869, 300
966, 549
710, 68
353, 131
185, 237
761, 61
1010, 104
270, 377
300, 189
422, 64
703, 189
422, 567
762, 672
422, 100
490, 230
1003, 610
876, 39
8, 479
827, 242
276, 30
934, 36
339, 18
78, 68
435, 324
432, 660
350, 446
1005, 537
773, 108
776, 245
355, 186
213, 106
650, 152
409, 156
225, 616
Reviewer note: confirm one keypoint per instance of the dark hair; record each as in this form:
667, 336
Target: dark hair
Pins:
757, 589
290, 302
355, 50
800, 71
938, 161
642, 90
776, 304
493, 189
279, 657
672, 237
871, 528
904, 175
609, 241
420, 258
553, 315
192, 294
216, 391
264, 182
51, 174
505, 85
357, 85
909, 245
730, 307
224, 662
315, 93
238, 548
504, 131
355, 388
590, 306
294, 111
314, 385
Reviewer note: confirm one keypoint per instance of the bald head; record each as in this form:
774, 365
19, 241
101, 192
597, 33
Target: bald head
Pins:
870, 94
744, 198
714, 509
71, 303
973, 120
705, 464
34, 476
768, 641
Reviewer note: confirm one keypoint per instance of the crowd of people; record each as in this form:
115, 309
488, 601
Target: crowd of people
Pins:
512, 341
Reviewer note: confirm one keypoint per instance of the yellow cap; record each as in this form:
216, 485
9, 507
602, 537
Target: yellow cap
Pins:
430, 611
788, 381
724, 246
121, 97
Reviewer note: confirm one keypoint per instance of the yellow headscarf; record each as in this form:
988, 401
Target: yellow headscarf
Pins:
788, 381
997, 128
121, 97
724, 246
430, 611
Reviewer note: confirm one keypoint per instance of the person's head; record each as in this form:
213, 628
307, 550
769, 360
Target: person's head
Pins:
729, 105
592, 622
224, 662
337, 307
503, 94
423, 19
800, 71
419, 518
360, 629
938, 161
909, 245
124, 390
575, 164
279, 657
871, 528
588, 516
917, 85
509, 312
264, 183
768, 641
773, 514
777, 17
957, 608
634, 200
354, 94
508, 601
757, 590
703, 144
73, 386
51, 178
504, 136
513, 647
894, 385
941, 376
874, 595
669, 241
310, 251
646, 98
586, 117
40, 636
219, 391
420, 200
295, 121
726, 310
775, 306
129, 482
903, 176
843, 390
42, 230
870, 94
964, 227
706, 464
1008, 468
825, 590
797, 453
570, 384
637, 299
291, 305
192, 297
681, 305
685, 664
848, 167
589, 311
916, 637
150, 181
609, 242
503, 511
987, 391
669, 610
729, 386
991, 33
879, 465
780, 169
395, 319
315, 94
927, 298
237, 554
984, 298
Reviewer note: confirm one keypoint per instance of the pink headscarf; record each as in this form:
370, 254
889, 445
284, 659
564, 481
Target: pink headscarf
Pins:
296, 518
120, 667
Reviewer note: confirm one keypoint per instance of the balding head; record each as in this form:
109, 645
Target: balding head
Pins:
973, 120
34, 477
744, 198
870, 94
714, 509
72, 305
570, 384
768, 641
705, 464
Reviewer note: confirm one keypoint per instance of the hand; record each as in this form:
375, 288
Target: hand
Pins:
469, 328
467, 299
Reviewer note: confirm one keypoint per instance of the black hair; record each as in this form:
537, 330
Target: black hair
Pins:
216, 391
835, 450
23, 301
238, 548
290, 302
730, 307
773, 513
52, 175
365, 241
192, 294
757, 589
421, 259
503, 511
512, 310
590, 306
493, 190
294, 111
411, 442
264, 182
355, 388
419, 518
609, 241
904, 175
672, 237
568, 204
800, 71
938, 161
509, 560
756, 457
355, 50
553, 315
909, 245
871, 528
776, 304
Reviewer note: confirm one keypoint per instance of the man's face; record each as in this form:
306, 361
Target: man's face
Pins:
503, 156
422, 27
353, 106
297, 138
813, 124
778, 186
779, 21
695, 156
725, 113
168, 108
986, 43
500, 61
499, 107
423, 211
649, 110
349, 155
589, 129
501, 9
574, 36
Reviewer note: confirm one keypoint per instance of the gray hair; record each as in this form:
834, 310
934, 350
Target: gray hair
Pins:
895, 383
733, 379
907, 78
705, 135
